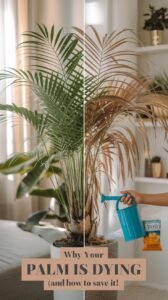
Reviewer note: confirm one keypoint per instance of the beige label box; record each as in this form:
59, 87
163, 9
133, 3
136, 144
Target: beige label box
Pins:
87, 268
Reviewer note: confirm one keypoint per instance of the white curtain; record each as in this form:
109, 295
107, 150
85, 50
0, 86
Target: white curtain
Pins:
14, 138
17, 16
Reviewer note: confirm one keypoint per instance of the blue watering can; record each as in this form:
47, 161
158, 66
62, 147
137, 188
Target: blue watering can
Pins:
129, 218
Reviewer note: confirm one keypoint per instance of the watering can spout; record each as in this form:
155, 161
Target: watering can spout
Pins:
103, 198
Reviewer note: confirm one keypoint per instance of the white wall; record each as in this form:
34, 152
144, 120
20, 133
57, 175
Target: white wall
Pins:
157, 263
124, 14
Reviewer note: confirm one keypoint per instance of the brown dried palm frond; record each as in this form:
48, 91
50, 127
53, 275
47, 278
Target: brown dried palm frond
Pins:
108, 137
106, 58
117, 103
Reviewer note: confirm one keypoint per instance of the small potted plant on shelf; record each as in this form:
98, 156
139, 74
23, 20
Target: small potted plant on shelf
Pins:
156, 23
156, 167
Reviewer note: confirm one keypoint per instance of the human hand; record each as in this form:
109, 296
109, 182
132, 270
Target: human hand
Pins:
131, 193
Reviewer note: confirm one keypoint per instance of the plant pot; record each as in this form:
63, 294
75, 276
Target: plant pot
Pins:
156, 37
105, 295
64, 295
88, 295
68, 295
156, 170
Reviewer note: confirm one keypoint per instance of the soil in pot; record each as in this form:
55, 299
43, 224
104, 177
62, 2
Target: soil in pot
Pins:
68, 243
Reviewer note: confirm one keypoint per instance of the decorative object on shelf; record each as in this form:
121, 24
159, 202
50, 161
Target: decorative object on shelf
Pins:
156, 37
156, 23
156, 167
148, 167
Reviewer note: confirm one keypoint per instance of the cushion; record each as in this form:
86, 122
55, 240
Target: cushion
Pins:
16, 244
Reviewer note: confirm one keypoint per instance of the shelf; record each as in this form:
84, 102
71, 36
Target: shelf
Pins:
151, 180
153, 49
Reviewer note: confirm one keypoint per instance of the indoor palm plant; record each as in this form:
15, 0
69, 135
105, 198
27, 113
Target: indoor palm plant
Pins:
82, 104
108, 134
106, 84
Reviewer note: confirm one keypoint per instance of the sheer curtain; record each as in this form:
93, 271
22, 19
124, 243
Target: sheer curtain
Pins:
14, 16
17, 16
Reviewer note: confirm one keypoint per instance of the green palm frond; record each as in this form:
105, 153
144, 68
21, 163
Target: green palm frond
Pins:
52, 51
59, 101
36, 119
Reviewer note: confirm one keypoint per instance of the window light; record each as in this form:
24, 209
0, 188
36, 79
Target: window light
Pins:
93, 13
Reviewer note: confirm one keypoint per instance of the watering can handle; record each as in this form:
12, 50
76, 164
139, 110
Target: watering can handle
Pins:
118, 201
109, 198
